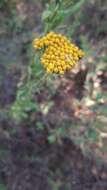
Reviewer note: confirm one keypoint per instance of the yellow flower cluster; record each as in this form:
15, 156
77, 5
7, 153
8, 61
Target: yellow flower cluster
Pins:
60, 54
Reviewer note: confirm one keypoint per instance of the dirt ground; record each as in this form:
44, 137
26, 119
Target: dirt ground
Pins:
37, 165
28, 161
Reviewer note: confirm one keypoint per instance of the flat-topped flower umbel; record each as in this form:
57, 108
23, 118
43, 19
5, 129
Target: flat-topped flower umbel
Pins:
59, 54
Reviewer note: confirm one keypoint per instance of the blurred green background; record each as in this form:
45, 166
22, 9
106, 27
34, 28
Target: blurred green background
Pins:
69, 109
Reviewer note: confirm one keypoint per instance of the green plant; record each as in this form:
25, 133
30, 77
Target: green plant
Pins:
55, 14
90, 111
2, 187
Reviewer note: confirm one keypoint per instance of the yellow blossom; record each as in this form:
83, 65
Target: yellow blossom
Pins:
59, 54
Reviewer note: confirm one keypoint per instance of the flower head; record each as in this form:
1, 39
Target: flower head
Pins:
60, 54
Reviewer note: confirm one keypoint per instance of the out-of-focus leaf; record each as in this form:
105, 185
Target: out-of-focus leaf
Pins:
103, 58
52, 138
37, 65
85, 43
62, 131
57, 20
92, 135
97, 124
2, 187
39, 126
46, 14
79, 141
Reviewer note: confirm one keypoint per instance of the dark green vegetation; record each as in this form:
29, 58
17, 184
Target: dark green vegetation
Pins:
60, 142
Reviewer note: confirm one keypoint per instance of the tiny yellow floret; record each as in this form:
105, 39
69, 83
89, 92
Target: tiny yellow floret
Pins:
59, 54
